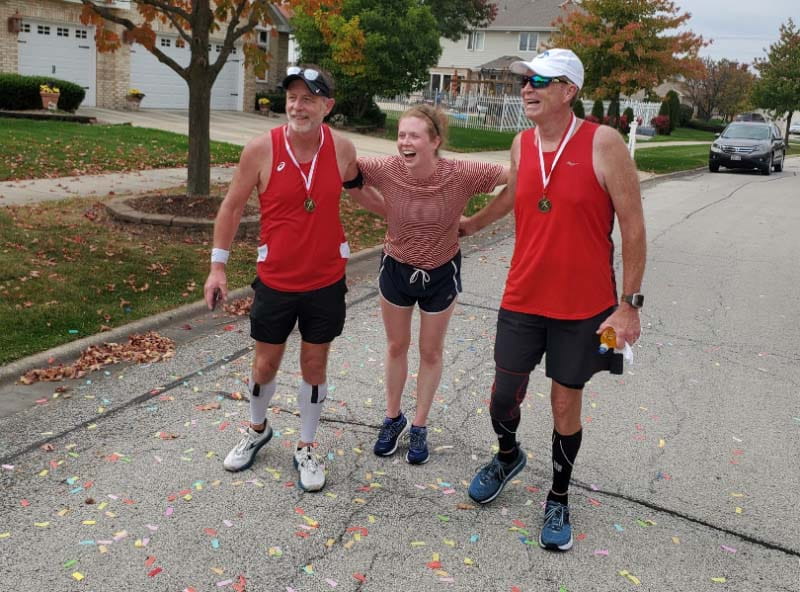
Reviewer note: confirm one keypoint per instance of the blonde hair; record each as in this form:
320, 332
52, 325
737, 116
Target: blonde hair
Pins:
436, 121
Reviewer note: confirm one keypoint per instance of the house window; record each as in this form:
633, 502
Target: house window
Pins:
263, 37
475, 41
42, 29
26, 27
218, 48
233, 51
528, 41
166, 42
80, 33
62, 32
436, 82
180, 43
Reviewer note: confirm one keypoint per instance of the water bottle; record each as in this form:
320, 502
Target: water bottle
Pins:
608, 340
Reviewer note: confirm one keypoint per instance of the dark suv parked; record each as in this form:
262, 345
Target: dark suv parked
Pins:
748, 145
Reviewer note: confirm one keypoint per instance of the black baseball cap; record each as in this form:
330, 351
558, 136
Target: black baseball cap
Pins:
313, 79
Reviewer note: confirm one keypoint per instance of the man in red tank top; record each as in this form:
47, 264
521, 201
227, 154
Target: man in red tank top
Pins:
568, 180
298, 171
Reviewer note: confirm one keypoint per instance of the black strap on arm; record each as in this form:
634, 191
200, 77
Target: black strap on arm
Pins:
356, 182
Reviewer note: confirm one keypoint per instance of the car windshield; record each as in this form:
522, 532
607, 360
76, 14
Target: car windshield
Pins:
746, 132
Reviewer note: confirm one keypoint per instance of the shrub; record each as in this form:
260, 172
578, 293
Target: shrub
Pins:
372, 118
674, 104
613, 113
277, 101
706, 126
685, 116
624, 124
578, 109
628, 115
18, 93
661, 123
597, 110
592, 118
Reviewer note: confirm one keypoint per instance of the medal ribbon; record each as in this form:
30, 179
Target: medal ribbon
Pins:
564, 141
307, 181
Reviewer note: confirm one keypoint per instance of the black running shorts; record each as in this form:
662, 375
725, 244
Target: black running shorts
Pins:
319, 313
572, 347
434, 289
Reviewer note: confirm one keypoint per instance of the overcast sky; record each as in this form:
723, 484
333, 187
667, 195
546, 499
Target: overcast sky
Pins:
741, 30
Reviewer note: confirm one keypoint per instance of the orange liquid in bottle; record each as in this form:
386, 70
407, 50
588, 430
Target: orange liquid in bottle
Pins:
608, 340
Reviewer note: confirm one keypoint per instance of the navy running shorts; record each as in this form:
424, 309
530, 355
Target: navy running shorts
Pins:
434, 289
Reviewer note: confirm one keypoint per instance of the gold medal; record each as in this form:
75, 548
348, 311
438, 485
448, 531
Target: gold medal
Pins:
544, 204
309, 205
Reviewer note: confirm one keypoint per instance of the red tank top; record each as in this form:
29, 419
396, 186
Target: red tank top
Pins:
298, 250
562, 265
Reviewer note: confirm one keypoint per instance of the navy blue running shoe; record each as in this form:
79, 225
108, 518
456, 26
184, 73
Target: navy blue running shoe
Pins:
556, 533
418, 446
390, 433
492, 478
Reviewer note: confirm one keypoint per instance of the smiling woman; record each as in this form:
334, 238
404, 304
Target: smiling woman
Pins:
425, 196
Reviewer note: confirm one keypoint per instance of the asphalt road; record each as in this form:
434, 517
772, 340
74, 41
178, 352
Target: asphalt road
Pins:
688, 477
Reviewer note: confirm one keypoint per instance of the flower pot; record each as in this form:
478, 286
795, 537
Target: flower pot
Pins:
264, 109
49, 100
133, 103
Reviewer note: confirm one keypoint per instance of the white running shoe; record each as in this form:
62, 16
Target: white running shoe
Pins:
243, 455
312, 471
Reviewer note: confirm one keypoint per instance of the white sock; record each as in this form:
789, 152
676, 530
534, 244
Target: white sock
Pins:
310, 399
260, 397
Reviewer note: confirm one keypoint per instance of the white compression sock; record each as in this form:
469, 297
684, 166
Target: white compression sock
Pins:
260, 397
310, 399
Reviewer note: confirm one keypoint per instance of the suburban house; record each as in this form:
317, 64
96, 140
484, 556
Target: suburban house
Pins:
46, 37
478, 62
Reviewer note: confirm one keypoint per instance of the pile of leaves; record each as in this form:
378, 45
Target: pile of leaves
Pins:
141, 349
239, 307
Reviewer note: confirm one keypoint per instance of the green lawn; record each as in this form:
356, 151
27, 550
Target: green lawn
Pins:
66, 271
461, 139
669, 159
681, 134
35, 149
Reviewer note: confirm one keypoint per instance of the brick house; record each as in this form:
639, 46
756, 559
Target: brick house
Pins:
46, 37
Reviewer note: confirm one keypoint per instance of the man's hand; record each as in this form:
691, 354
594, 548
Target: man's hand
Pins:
626, 324
216, 287
466, 227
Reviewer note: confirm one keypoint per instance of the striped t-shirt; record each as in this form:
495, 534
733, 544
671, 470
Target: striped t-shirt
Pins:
422, 215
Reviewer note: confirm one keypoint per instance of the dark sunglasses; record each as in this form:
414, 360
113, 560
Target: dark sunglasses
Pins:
537, 81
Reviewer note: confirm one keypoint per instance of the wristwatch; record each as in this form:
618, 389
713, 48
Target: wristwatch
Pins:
636, 300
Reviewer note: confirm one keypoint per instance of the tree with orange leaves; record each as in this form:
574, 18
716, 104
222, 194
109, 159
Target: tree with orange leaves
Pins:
194, 21
625, 46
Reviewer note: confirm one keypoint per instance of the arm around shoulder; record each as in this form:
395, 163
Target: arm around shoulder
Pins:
502, 204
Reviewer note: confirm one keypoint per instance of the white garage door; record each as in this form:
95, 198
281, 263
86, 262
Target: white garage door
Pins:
59, 50
164, 89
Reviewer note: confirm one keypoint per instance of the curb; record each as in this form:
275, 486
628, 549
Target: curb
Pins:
11, 372
120, 210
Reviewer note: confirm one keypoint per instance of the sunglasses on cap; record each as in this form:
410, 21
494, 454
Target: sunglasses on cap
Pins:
312, 78
537, 81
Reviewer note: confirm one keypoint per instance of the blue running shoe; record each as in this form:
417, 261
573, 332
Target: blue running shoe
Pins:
390, 433
418, 446
556, 533
491, 479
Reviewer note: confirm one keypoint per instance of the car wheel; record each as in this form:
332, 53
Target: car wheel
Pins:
768, 169
713, 167
778, 166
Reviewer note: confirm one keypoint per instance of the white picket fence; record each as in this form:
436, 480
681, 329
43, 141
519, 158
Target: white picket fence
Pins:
497, 113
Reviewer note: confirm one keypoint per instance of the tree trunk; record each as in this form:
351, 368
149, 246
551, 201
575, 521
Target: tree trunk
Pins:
199, 177
200, 81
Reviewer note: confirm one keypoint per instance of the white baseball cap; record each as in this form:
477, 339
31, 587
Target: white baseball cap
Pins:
553, 63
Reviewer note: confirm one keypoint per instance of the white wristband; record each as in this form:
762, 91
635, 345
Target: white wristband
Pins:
219, 256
